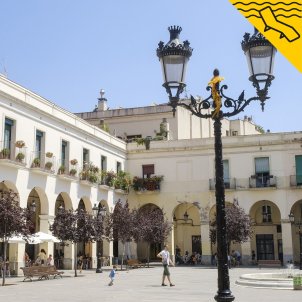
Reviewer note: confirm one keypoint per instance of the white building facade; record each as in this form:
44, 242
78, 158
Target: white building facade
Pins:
47, 169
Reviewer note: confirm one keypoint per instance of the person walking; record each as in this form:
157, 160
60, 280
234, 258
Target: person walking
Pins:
165, 256
112, 275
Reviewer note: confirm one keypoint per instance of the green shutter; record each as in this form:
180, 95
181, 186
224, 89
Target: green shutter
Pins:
299, 169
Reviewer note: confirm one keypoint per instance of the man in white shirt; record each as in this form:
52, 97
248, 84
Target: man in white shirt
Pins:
165, 256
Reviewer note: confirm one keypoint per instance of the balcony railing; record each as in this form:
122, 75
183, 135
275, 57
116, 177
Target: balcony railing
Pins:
262, 181
13, 153
147, 184
5, 150
43, 161
295, 180
229, 183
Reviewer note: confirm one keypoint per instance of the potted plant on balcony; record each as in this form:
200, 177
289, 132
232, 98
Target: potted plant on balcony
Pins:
144, 141
20, 156
73, 172
36, 162
73, 162
20, 144
48, 165
122, 181
138, 183
5, 152
61, 170
49, 154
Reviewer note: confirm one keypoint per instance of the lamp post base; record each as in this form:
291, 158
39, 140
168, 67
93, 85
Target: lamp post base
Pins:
98, 270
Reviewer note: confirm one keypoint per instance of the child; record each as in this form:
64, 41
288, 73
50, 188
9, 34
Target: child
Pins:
112, 275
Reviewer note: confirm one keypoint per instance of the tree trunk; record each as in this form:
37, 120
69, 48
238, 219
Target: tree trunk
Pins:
75, 259
148, 254
4, 262
123, 254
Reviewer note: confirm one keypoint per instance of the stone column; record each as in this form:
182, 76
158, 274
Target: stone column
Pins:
16, 259
108, 249
287, 241
205, 242
93, 255
68, 260
246, 253
45, 222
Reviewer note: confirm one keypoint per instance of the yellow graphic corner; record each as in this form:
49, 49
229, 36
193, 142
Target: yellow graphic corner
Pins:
280, 22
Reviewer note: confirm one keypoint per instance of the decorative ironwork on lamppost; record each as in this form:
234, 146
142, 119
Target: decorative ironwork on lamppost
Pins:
293, 221
99, 211
174, 57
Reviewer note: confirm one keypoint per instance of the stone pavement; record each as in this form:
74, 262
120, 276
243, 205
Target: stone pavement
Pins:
143, 285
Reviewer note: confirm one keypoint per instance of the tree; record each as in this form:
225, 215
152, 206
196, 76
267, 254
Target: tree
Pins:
238, 225
151, 227
122, 222
77, 226
14, 221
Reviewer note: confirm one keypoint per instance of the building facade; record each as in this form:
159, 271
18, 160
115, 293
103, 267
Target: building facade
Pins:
262, 172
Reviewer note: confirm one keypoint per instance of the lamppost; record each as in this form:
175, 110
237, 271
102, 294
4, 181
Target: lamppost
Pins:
99, 211
293, 221
174, 57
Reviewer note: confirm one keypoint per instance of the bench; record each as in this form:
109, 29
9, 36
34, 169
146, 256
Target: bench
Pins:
134, 263
42, 272
269, 263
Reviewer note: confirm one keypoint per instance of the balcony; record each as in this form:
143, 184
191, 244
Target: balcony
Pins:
229, 183
14, 156
147, 185
296, 180
66, 170
268, 181
42, 163
89, 175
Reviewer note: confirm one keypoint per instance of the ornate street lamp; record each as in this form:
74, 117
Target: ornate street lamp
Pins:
174, 57
293, 221
33, 206
99, 210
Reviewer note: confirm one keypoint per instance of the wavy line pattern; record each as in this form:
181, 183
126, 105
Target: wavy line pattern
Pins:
280, 15
267, 2
286, 10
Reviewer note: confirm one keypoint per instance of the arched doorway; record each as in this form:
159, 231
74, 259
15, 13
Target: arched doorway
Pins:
33, 199
267, 239
60, 250
187, 231
149, 250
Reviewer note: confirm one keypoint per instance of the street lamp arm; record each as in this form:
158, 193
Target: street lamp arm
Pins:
236, 106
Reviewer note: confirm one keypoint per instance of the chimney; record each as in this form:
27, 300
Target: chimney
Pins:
102, 104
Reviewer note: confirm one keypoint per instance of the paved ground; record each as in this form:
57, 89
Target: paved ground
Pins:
143, 285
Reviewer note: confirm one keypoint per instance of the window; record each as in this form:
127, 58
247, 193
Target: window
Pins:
118, 167
234, 133
64, 153
266, 214
103, 163
227, 132
8, 129
39, 143
262, 171
298, 159
148, 170
85, 157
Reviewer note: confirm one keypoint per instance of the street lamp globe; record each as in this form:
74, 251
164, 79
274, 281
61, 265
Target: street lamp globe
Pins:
260, 55
174, 57
291, 217
95, 210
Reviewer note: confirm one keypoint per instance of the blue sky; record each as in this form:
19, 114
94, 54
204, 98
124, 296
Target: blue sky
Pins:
67, 50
